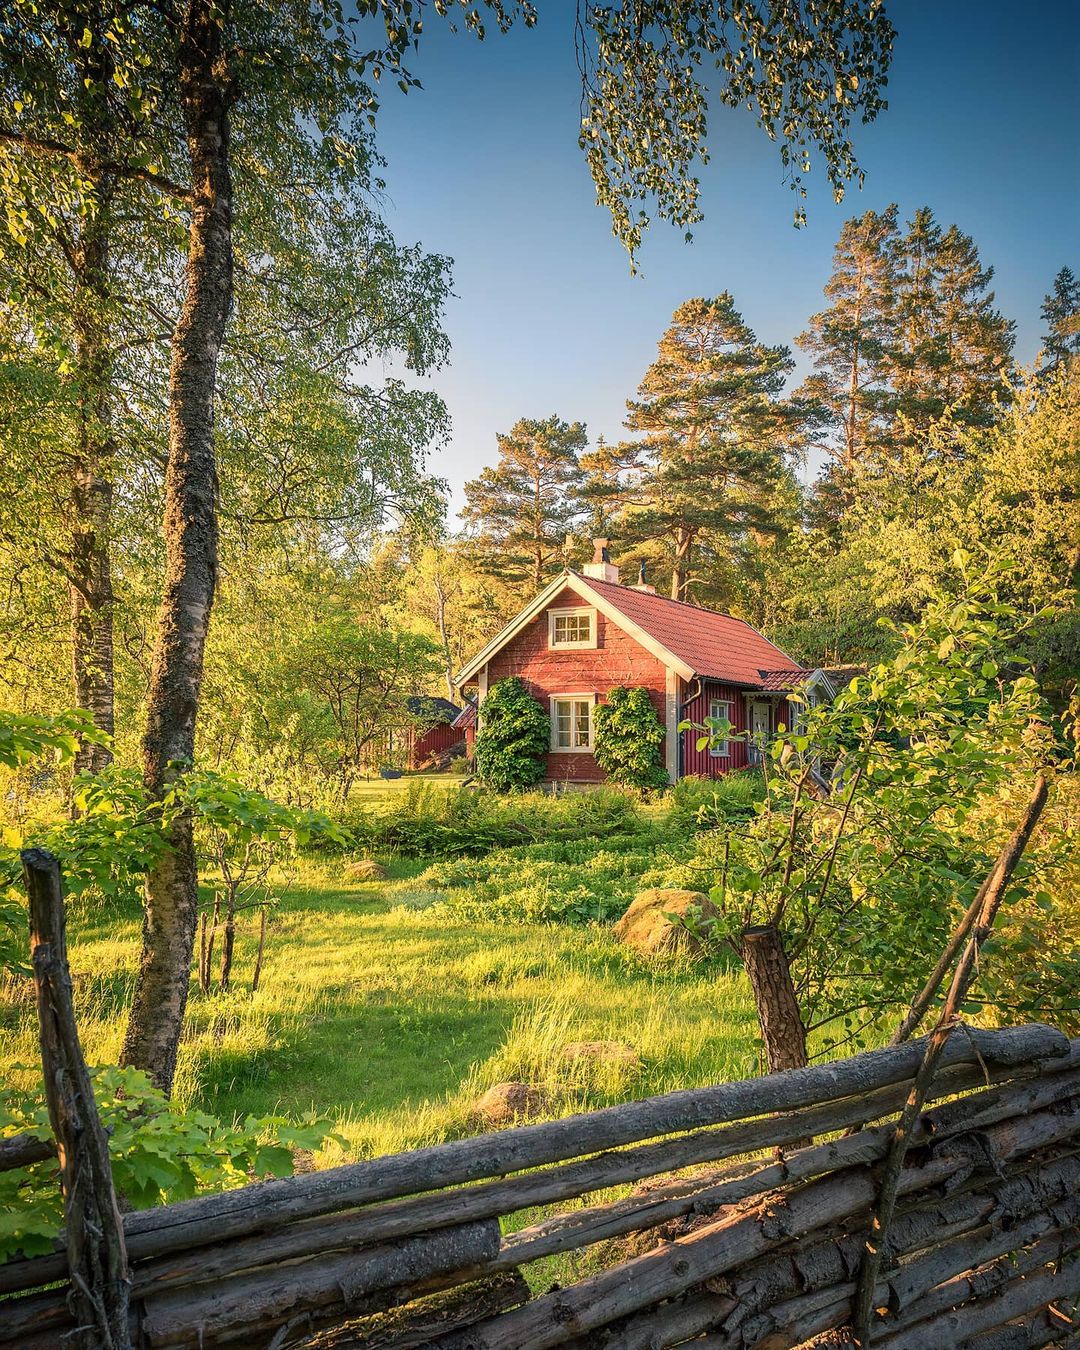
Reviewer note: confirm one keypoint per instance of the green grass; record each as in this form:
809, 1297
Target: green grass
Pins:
392, 1019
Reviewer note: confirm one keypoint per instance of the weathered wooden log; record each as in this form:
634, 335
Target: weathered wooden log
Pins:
699, 1194
230, 1310
420, 1322
23, 1150
826, 1262
423, 1213
94, 1233
737, 1307
947, 1276
1019, 1298
270, 1204
712, 1250
706, 1194
1050, 1327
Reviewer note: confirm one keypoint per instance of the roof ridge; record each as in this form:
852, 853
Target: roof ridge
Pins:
670, 600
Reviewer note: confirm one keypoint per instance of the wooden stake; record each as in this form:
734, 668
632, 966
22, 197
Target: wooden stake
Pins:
963, 976
997, 881
97, 1259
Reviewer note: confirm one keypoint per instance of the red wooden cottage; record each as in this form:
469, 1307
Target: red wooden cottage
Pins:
586, 633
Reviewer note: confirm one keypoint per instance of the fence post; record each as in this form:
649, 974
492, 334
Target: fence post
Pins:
97, 1257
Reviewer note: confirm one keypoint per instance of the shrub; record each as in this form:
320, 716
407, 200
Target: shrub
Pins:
559, 881
630, 739
429, 820
159, 1153
512, 744
705, 803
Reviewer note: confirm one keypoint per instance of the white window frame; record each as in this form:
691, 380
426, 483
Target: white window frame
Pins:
576, 611
723, 750
589, 699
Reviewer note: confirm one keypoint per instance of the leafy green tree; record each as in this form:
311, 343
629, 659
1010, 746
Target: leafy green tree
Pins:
851, 341
513, 739
523, 509
804, 72
355, 679
1061, 314
630, 739
715, 432
75, 138
299, 74
840, 901
445, 589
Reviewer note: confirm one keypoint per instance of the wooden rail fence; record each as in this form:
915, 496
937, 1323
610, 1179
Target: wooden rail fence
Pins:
409, 1249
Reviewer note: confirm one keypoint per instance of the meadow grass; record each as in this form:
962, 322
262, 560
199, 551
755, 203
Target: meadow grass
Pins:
391, 1018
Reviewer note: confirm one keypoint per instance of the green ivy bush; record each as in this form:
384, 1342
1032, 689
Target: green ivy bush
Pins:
514, 736
629, 739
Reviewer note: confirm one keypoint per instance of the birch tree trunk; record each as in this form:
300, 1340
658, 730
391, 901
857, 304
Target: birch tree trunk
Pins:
88, 570
190, 533
782, 1029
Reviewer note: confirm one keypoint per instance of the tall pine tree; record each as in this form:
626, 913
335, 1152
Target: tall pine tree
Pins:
851, 341
714, 435
1061, 314
953, 349
523, 509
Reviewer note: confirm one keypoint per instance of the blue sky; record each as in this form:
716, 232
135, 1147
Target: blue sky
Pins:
483, 165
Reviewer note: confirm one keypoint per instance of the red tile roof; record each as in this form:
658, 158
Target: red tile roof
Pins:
783, 680
716, 646
465, 718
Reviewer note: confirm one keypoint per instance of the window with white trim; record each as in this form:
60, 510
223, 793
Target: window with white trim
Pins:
570, 628
720, 709
572, 722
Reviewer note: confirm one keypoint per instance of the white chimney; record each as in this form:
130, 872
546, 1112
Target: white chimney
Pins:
601, 568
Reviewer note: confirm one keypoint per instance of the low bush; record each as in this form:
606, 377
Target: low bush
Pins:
512, 743
630, 739
705, 803
159, 1153
428, 820
571, 881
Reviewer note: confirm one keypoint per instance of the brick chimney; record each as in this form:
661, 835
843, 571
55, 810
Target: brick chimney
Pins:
641, 584
601, 568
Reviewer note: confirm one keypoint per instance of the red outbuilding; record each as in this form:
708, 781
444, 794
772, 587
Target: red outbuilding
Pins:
586, 634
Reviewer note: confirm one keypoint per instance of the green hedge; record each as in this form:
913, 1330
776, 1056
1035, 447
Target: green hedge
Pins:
630, 739
514, 736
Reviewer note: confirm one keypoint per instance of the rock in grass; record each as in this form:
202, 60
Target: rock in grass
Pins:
646, 928
365, 870
505, 1103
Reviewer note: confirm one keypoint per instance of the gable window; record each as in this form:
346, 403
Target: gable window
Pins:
720, 709
571, 722
571, 628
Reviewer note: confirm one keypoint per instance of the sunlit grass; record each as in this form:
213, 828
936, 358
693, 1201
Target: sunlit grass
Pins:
392, 1021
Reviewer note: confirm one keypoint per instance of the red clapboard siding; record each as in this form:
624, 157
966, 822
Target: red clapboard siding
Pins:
616, 660
439, 737
701, 762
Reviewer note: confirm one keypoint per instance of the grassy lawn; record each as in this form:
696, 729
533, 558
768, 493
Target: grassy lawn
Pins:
392, 1020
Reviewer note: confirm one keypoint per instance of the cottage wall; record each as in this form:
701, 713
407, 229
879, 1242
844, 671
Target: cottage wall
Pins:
616, 660
696, 709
